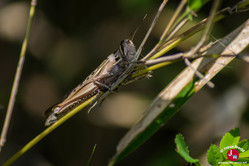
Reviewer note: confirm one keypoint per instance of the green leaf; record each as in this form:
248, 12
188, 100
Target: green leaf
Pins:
153, 127
244, 154
195, 4
245, 160
214, 156
244, 144
229, 140
182, 149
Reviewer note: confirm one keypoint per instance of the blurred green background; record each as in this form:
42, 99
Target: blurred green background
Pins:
68, 40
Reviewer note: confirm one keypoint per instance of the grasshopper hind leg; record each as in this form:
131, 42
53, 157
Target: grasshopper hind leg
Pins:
99, 99
95, 101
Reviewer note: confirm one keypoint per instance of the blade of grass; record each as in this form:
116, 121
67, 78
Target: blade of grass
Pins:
206, 31
174, 42
173, 27
17, 77
151, 27
90, 158
188, 33
171, 99
172, 20
179, 9
43, 134
46, 132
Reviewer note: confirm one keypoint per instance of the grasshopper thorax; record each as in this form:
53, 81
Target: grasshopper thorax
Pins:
128, 50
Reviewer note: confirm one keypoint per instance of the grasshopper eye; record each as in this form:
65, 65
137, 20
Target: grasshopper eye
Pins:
122, 49
130, 42
128, 50
126, 43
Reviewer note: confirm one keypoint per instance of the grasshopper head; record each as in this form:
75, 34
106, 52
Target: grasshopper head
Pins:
128, 50
51, 115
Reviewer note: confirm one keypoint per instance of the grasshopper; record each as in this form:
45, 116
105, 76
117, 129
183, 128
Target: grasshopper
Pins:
104, 78
113, 72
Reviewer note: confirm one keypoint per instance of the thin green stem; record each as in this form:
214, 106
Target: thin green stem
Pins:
177, 40
46, 132
151, 27
172, 20
150, 54
169, 45
17, 77
151, 68
90, 158
208, 28
188, 33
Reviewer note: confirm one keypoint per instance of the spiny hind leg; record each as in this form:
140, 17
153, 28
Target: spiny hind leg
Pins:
94, 101
98, 99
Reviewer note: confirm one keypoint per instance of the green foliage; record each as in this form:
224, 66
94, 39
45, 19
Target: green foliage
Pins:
155, 125
218, 156
245, 154
195, 4
214, 156
230, 139
244, 144
182, 149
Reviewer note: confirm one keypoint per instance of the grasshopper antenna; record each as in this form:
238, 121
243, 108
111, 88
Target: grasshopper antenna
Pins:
150, 29
138, 26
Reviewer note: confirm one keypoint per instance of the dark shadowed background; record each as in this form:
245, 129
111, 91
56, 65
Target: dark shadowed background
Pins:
68, 40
